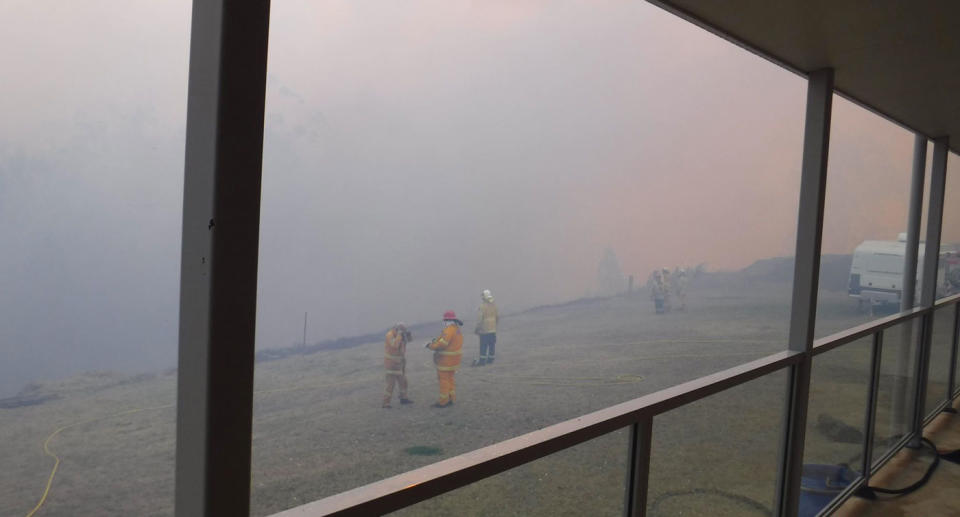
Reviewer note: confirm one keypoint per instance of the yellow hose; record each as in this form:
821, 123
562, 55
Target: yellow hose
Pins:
53, 472
56, 459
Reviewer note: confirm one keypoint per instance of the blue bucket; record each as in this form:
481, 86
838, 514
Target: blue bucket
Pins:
819, 484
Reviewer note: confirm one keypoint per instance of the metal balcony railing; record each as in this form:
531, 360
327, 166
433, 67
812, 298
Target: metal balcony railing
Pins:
433, 480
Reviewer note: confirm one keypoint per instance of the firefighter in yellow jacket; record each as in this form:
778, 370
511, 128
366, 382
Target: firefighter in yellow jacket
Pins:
487, 318
395, 362
447, 350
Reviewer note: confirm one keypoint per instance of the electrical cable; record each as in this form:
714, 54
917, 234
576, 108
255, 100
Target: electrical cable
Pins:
919, 483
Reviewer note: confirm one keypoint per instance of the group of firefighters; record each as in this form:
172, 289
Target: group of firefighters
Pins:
664, 286
448, 347
447, 352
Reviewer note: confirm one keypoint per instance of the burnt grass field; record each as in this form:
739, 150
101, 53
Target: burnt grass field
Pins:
319, 429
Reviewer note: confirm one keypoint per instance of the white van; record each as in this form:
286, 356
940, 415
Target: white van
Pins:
876, 273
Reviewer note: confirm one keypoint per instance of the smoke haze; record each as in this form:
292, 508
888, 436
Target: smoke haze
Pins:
415, 154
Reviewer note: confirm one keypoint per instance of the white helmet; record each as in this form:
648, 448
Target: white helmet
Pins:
486, 295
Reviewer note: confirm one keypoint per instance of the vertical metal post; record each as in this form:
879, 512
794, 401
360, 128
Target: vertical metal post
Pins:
638, 469
954, 340
928, 286
914, 217
871, 418
813, 185
952, 376
909, 283
920, 379
931, 249
218, 274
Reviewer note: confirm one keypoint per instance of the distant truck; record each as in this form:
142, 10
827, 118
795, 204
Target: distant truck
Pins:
876, 273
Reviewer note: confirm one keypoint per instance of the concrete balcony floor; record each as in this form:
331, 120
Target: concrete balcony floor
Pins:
939, 497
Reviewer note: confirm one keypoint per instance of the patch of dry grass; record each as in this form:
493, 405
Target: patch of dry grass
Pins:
319, 428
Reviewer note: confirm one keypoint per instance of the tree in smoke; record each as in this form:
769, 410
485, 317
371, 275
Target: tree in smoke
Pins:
610, 279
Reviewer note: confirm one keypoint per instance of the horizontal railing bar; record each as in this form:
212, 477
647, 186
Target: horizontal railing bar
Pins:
692, 391
947, 300
411, 487
838, 339
825, 344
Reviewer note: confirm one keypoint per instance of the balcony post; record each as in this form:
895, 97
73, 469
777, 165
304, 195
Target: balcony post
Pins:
952, 378
638, 468
928, 286
218, 272
869, 426
908, 284
813, 185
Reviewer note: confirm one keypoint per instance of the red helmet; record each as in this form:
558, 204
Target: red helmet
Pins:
449, 315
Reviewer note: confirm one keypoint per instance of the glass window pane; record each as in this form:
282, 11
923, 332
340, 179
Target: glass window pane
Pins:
588, 479
839, 385
956, 366
417, 155
865, 217
93, 102
894, 399
940, 344
718, 456
948, 272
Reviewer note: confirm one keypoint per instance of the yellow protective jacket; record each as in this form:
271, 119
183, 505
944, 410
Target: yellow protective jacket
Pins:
487, 318
395, 348
447, 349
